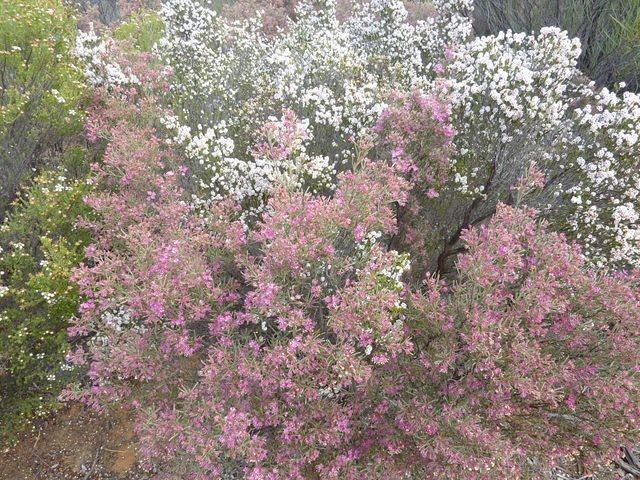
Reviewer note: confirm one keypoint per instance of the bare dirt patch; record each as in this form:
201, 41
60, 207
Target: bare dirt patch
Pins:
76, 444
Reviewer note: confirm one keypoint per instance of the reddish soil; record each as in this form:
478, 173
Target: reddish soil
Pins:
75, 444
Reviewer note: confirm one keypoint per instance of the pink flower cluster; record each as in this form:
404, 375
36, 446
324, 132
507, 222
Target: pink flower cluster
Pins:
152, 275
415, 135
280, 139
529, 354
418, 134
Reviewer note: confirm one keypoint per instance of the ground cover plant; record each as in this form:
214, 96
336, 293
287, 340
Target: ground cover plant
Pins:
344, 240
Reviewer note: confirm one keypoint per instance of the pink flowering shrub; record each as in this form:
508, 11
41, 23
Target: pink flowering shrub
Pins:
297, 351
298, 347
279, 140
417, 132
308, 250
152, 274
281, 384
415, 135
528, 355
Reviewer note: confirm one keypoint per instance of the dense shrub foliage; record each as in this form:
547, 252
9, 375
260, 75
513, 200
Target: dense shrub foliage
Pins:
338, 240
40, 246
319, 359
42, 95
41, 87
515, 98
519, 99
41, 241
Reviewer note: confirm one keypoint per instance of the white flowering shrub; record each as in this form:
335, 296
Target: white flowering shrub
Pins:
100, 68
516, 99
450, 27
519, 98
607, 29
507, 95
604, 149
230, 78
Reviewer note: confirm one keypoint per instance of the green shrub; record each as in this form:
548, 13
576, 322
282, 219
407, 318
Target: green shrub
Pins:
40, 244
41, 87
143, 29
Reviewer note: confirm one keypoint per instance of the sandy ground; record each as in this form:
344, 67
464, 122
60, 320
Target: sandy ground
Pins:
75, 444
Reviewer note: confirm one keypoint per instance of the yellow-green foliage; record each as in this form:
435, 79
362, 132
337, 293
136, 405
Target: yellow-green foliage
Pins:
41, 87
41, 245
142, 29
38, 68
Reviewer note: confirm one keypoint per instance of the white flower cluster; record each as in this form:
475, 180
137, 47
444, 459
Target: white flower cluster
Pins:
441, 34
99, 69
49, 297
510, 87
394, 273
119, 320
230, 79
516, 99
606, 200
519, 98
625, 225
365, 251
58, 96
223, 175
